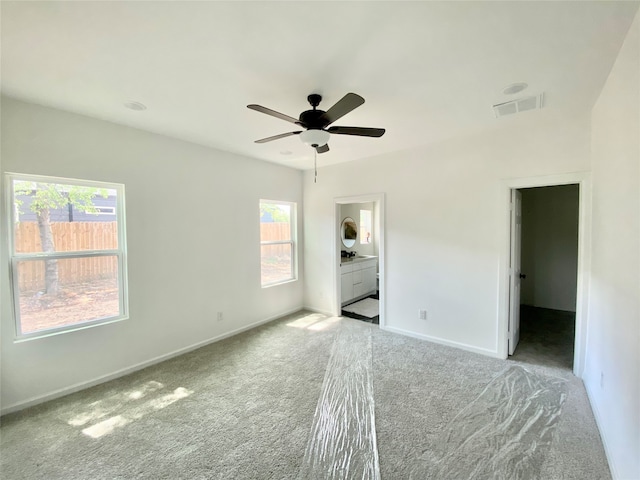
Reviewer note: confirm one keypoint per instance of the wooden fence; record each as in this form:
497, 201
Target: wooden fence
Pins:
274, 231
67, 236
81, 236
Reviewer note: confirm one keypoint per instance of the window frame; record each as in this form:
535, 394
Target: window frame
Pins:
370, 212
293, 222
120, 253
111, 210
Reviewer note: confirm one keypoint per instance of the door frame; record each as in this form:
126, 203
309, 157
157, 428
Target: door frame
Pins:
583, 180
379, 221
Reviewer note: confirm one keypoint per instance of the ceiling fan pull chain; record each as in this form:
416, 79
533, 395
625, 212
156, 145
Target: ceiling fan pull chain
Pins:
315, 165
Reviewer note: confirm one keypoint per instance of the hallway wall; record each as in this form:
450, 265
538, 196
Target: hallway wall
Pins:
613, 342
550, 247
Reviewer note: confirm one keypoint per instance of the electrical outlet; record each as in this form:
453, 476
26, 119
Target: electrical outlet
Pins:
422, 314
220, 316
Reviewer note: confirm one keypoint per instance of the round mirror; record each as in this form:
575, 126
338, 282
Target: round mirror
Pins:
349, 232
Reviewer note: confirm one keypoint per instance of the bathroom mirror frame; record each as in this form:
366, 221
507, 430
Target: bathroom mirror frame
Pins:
349, 232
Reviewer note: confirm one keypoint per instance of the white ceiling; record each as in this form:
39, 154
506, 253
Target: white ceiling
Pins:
427, 70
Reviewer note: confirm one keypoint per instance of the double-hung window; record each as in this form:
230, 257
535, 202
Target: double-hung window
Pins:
277, 242
365, 227
65, 274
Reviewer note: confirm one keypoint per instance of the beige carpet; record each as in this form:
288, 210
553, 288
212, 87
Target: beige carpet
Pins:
244, 408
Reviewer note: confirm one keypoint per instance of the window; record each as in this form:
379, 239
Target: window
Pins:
65, 274
366, 236
277, 242
105, 210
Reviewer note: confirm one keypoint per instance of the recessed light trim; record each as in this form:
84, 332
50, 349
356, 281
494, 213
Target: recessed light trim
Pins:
136, 106
514, 88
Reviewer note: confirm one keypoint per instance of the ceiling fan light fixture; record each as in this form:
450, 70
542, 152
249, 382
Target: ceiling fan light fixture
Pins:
315, 137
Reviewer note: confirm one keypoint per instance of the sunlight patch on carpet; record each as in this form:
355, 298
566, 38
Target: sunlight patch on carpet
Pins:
314, 321
106, 406
127, 407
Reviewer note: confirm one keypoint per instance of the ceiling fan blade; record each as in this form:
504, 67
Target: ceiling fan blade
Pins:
276, 137
273, 113
349, 102
323, 148
359, 131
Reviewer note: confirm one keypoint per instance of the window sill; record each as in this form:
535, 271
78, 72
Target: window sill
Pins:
284, 282
69, 329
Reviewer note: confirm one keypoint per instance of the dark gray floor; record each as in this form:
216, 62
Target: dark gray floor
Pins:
375, 320
546, 337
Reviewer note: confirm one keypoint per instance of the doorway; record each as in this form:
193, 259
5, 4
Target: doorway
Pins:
544, 256
363, 294
509, 311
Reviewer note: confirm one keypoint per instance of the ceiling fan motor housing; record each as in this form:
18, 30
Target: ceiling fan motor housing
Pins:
313, 119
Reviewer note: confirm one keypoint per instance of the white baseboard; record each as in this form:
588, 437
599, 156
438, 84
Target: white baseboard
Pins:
441, 341
319, 310
139, 366
603, 436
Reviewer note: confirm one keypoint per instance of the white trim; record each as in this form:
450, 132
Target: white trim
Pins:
318, 310
583, 179
293, 241
379, 200
276, 242
370, 215
70, 327
441, 341
139, 366
27, 177
65, 255
113, 188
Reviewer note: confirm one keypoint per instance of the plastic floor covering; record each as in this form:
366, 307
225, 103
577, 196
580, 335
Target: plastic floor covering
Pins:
517, 412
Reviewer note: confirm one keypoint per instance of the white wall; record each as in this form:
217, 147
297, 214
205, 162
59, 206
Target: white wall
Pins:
183, 201
444, 222
550, 247
612, 364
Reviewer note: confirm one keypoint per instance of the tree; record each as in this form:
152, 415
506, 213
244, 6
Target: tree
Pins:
273, 212
51, 196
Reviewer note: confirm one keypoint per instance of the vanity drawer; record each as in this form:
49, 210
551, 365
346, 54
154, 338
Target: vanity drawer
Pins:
357, 276
346, 268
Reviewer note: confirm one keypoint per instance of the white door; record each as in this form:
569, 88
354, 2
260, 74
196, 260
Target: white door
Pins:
514, 270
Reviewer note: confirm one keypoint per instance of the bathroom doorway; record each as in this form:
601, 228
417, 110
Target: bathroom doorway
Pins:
359, 283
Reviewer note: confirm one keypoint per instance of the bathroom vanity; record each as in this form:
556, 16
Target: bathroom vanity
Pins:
358, 277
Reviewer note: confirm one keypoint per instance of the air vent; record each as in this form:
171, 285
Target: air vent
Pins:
519, 105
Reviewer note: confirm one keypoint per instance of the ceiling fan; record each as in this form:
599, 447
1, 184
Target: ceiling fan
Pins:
315, 122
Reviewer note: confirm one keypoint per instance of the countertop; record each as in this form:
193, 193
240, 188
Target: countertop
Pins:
357, 259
